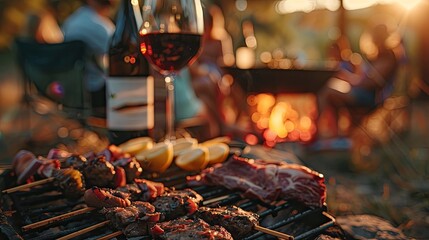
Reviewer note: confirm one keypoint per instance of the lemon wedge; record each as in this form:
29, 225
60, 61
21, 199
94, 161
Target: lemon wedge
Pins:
216, 140
135, 145
156, 159
193, 159
182, 144
218, 152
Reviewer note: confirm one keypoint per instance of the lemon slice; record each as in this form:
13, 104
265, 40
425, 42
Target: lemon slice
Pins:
218, 152
135, 145
193, 159
216, 140
156, 159
182, 144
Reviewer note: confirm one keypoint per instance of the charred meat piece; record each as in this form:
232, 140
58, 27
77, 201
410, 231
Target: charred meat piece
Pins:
143, 190
70, 181
99, 172
138, 228
99, 198
133, 190
131, 166
149, 190
75, 161
177, 203
181, 229
238, 222
121, 217
266, 180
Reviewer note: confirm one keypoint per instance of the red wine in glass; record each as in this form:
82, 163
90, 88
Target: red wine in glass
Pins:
170, 52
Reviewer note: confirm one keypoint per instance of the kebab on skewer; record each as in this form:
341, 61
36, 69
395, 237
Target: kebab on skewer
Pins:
141, 190
174, 208
101, 169
134, 218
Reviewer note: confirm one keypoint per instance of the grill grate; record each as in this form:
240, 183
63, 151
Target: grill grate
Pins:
46, 201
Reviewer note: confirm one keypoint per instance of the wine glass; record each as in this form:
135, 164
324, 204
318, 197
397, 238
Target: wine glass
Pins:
170, 38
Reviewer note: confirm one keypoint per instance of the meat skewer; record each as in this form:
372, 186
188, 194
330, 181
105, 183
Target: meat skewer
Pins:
96, 198
109, 168
175, 204
238, 222
70, 181
132, 218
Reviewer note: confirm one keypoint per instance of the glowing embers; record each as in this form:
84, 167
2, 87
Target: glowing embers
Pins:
285, 117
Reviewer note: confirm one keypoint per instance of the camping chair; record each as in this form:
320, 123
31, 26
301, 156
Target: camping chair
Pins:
55, 72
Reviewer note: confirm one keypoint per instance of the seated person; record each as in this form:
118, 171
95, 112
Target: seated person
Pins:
361, 86
91, 24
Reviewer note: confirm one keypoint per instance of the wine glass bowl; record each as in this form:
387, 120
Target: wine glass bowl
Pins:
170, 38
170, 52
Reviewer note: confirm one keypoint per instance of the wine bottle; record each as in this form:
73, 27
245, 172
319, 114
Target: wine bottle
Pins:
130, 88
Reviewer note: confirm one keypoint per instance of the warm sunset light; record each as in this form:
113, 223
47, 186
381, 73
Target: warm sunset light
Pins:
290, 6
353, 5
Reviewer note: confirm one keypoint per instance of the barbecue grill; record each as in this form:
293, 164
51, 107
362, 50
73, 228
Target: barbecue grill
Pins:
24, 208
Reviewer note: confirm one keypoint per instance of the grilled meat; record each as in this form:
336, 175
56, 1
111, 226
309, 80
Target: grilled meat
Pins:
177, 203
75, 161
99, 198
143, 190
265, 180
238, 222
149, 189
131, 166
99, 172
121, 217
70, 181
182, 229
138, 228
133, 190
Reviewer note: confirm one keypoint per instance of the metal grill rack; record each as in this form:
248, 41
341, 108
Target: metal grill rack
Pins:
43, 202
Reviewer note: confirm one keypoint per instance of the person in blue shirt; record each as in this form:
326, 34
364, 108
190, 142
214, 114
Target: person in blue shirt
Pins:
92, 25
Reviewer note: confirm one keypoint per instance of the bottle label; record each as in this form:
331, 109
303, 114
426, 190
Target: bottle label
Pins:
130, 103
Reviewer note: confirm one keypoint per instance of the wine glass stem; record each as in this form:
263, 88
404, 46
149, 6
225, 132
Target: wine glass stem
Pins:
169, 108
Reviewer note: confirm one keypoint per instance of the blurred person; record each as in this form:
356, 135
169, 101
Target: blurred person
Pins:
92, 25
359, 86
215, 93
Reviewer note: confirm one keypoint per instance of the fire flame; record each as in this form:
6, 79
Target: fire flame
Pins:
284, 117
